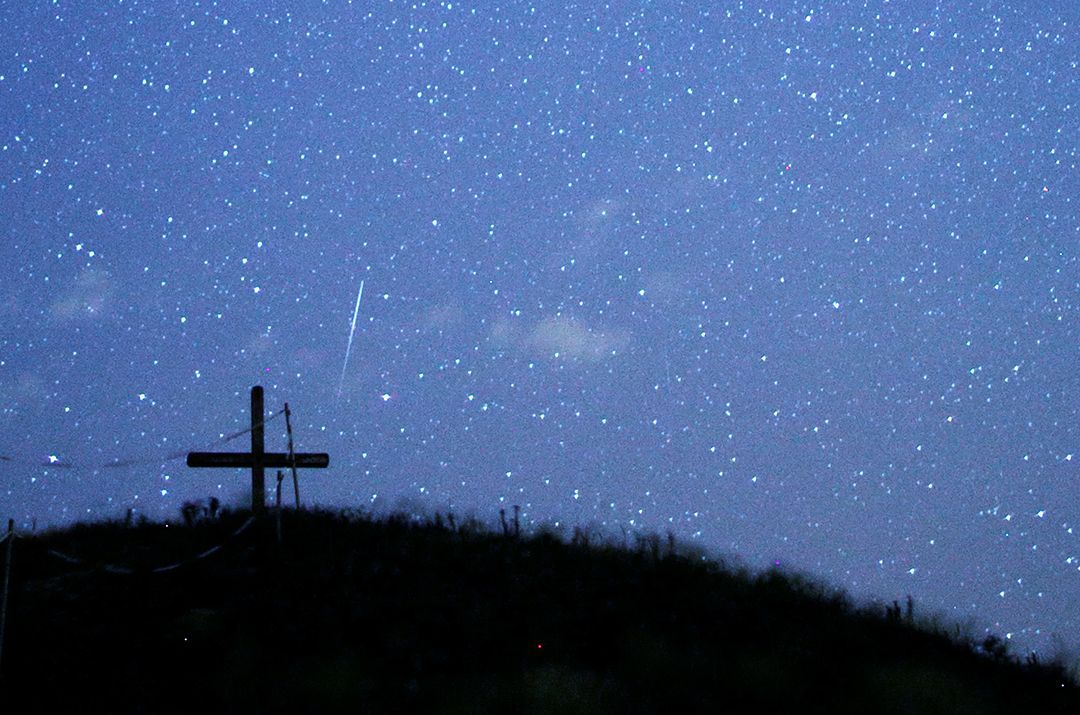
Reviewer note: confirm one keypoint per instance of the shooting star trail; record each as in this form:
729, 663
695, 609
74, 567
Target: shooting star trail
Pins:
348, 349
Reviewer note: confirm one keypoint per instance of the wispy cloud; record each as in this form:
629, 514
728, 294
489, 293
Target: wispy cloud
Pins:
440, 317
87, 298
564, 338
669, 287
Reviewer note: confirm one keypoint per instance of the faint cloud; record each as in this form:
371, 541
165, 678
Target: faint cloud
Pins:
261, 344
505, 334
924, 136
669, 287
87, 298
9, 304
599, 214
595, 225
585, 238
20, 394
562, 337
441, 317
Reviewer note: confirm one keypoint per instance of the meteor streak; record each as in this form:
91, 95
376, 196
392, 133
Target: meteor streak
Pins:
348, 349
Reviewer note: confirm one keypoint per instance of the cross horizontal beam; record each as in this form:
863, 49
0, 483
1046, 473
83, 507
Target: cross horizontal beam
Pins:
268, 460
257, 460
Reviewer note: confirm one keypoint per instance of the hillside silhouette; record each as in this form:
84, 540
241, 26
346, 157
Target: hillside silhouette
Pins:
352, 613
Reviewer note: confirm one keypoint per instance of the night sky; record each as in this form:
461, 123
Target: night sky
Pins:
797, 282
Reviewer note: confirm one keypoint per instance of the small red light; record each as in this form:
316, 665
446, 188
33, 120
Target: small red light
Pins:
539, 646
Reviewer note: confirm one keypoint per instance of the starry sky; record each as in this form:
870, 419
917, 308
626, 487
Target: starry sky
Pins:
797, 282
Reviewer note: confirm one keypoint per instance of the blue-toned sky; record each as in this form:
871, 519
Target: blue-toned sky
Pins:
795, 281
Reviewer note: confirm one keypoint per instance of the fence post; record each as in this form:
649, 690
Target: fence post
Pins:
7, 581
280, 476
292, 459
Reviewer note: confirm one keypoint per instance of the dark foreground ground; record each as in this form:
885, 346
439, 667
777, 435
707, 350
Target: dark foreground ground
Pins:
351, 614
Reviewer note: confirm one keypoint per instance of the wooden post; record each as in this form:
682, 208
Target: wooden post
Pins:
7, 582
280, 476
258, 449
295, 481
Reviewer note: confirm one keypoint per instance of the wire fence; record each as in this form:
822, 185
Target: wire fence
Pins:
54, 462
106, 503
113, 568
107, 567
8, 539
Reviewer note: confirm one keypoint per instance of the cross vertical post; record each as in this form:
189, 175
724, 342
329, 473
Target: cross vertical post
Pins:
258, 449
258, 460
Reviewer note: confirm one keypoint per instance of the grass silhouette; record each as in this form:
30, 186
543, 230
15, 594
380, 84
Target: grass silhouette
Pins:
352, 613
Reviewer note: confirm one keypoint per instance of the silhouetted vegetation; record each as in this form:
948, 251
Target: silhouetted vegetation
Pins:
356, 614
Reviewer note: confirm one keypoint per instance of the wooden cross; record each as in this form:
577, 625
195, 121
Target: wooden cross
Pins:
258, 459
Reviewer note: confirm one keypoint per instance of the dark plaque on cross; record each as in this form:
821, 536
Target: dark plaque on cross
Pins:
258, 459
